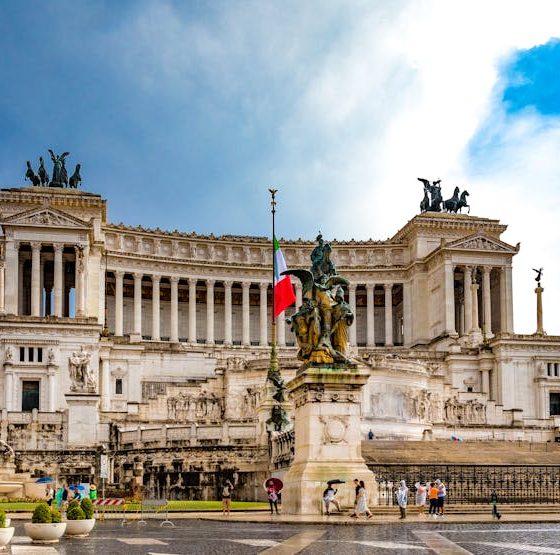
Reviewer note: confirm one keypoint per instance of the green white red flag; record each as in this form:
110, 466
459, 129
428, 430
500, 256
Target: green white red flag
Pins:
284, 295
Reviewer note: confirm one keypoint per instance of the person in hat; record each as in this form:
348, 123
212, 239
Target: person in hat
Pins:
402, 498
93, 492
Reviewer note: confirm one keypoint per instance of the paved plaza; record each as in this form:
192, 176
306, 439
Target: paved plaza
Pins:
204, 536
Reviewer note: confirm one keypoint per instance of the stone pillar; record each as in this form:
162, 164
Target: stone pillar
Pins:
155, 308
210, 311
79, 286
475, 324
352, 303
174, 316
487, 303
11, 292
246, 314
264, 314
388, 314
137, 306
102, 291
227, 313
52, 390
281, 329
299, 294
35, 279
58, 279
539, 291
467, 294
327, 407
9, 390
83, 419
2, 289
407, 314
486, 382
509, 299
119, 276
105, 384
370, 310
22, 289
42, 306
449, 299
192, 310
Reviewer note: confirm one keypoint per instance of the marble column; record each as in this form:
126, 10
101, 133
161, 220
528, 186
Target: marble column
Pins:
227, 313
370, 310
11, 292
467, 295
506, 301
58, 279
155, 308
138, 304
2, 289
264, 314
105, 384
35, 279
281, 329
210, 311
42, 307
486, 302
407, 314
388, 314
299, 294
52, 391
192, 310
246, 314
119, 276
102, 291
352, 303
486, 382
449, 298
9, 390
475, 323
79, 286
539, 291
174, 316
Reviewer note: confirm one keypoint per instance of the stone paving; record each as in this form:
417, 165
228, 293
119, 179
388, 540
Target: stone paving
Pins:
273, 538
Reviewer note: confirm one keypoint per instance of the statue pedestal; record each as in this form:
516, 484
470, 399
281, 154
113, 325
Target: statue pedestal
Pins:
327, 401
83, 418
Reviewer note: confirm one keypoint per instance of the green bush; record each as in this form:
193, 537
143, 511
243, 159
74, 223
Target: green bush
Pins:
87, 507
56, 516
42, 514
2, 518
74, 512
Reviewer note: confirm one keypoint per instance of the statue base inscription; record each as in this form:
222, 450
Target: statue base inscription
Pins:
83, 418
327, 402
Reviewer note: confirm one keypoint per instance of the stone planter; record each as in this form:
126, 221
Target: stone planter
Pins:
7, 522
79, 528
45, 533
6, 535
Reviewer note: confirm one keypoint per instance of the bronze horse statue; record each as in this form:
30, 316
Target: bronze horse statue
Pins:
450, 205
463, 202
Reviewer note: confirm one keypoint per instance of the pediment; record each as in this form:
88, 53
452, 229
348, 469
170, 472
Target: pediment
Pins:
45, 217
482, 242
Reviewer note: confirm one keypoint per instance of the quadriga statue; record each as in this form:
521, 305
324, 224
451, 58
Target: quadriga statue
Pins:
321, 323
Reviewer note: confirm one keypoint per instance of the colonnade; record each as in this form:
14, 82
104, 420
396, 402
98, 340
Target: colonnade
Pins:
13, 285
246, 322
467, 315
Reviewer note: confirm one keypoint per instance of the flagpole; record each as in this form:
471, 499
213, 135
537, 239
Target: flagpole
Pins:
273, 354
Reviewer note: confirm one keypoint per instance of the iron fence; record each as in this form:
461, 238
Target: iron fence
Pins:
473, 484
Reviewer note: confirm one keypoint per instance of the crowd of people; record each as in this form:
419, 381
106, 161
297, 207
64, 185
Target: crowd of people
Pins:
62, 497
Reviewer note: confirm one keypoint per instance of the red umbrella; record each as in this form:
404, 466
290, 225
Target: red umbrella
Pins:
275, 483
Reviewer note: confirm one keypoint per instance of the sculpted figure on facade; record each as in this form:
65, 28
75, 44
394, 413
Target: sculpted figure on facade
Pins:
469, 412
82, 377
321, 324
9, 355
186, 407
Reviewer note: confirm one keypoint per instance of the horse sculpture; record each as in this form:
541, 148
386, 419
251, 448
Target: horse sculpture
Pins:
450, 205
463, 202
425, 204
30, 174
75, 178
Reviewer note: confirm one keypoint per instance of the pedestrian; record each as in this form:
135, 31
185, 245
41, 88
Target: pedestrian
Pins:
77, 494
421, 491
402, 498
49, 494
433, 496
65, 494
272, 499
328, 498
357, 489
226, 497
494, 500
370, 435
93, 492
442, 493
361, 501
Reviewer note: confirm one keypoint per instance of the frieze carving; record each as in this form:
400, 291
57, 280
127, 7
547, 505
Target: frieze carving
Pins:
482, 243
192, 408
471, 411
407, 404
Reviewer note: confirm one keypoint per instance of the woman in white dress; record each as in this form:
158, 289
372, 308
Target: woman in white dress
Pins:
361, 502
421, 492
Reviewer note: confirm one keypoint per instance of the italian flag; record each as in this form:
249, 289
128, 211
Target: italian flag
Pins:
284, 295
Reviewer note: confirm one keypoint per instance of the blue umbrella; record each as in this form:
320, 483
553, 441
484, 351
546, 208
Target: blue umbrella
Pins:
45, 480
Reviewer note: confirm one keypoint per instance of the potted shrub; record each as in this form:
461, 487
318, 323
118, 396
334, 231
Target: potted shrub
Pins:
79, 518
45, 525
6, 531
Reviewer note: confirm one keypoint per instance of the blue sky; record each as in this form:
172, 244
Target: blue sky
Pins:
182, 114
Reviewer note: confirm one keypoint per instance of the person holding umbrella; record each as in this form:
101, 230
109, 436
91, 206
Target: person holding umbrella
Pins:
328, 495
